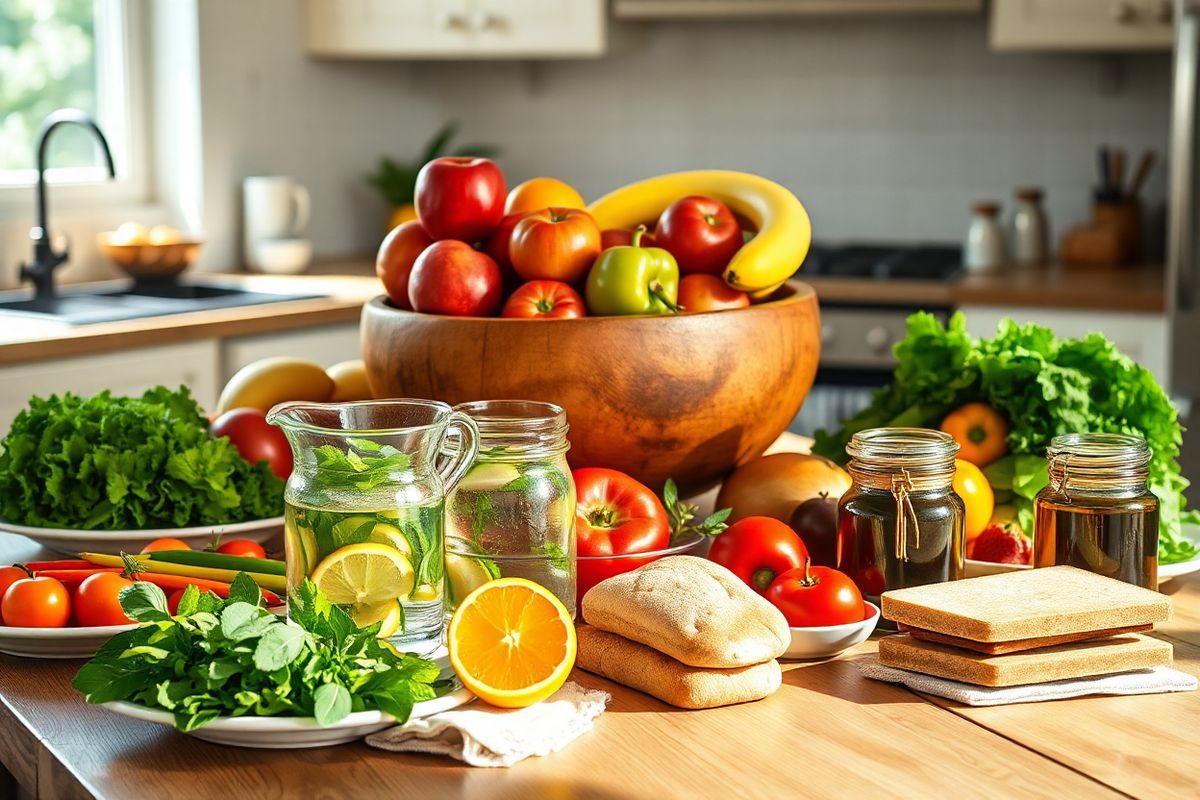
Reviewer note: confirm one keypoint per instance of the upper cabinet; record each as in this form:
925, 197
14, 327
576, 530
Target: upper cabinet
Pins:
455, 29
1097, 25
737, 9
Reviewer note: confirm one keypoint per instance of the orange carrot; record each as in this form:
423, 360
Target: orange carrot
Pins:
181, 582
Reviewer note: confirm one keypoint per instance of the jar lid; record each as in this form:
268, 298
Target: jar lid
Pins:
1033, 194
904, 447
1100, 450
985, 209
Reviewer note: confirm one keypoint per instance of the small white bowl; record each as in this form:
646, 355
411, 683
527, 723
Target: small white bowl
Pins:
828, 641
283, 256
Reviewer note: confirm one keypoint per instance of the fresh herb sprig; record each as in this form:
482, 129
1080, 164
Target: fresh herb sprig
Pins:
681, 515
232, 657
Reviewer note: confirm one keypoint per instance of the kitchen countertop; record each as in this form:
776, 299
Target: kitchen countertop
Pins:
346, 292
828, 732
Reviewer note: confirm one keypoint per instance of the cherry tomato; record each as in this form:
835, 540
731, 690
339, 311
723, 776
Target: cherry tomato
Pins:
166, 543
173, 601
9, 576
98, 602
255, 438
36, 603
701, 292
757, 550
614, 515
545, 300
242, 547
814, 597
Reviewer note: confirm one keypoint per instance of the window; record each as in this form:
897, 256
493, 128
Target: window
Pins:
78, 53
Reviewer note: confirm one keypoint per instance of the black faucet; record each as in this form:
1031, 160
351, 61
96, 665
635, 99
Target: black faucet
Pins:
41, 270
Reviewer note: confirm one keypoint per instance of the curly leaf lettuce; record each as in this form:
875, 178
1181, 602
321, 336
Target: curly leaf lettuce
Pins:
117, 463
1045, 386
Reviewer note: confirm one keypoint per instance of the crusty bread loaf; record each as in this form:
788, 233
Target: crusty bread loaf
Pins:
1025, 604
647, 670
1121, 653
1018, 645
695, 611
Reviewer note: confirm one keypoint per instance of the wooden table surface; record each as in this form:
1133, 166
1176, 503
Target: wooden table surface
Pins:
827, 732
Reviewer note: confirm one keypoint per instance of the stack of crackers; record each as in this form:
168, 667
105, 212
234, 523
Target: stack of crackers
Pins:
1025, 627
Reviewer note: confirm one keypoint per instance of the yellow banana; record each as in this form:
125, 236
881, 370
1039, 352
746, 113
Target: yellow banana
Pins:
764, 262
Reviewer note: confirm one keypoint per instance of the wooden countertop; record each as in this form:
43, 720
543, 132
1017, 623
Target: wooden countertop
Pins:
345, 293
828, 732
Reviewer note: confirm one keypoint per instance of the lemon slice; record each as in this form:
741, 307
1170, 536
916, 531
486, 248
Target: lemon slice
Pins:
464, 575
488, 477
390, 535
364, 574
512, 642
388, 614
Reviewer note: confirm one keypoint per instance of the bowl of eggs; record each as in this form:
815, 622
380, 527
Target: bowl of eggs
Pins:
155, 254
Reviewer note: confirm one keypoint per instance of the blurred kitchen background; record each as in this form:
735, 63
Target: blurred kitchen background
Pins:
890, 119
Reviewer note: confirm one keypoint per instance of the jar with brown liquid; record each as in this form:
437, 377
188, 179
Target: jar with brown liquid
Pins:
1097, 513
900, 524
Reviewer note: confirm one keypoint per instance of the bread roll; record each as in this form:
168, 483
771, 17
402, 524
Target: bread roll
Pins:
647, 670
692, 609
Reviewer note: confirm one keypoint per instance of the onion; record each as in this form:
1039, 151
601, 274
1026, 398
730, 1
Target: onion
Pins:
772, 486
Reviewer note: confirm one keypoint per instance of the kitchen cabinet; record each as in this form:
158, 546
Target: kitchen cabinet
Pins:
1142, 337
455, 29
1082, 25
741, 9
325, 345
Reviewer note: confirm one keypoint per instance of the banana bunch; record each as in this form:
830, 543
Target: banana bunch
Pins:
766, 261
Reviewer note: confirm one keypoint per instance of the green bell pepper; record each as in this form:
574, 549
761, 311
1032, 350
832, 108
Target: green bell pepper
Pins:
633, 280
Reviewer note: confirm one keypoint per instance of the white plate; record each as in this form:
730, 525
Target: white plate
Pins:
828, 641
57, 642
286, 733
70, 541
1165, 571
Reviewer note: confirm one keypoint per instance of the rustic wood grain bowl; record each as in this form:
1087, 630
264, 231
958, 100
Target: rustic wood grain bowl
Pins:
687, 397
150, 262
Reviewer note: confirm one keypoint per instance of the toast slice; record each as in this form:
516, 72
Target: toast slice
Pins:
1122, 653
1017, 645
1025, 604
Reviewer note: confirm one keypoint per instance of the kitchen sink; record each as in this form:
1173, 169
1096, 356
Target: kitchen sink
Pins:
85, 306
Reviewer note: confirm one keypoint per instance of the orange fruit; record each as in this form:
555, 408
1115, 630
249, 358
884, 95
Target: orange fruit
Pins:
511, 642
538, 193
402, 214
976, 493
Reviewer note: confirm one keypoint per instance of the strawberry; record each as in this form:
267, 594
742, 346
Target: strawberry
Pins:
1002, 544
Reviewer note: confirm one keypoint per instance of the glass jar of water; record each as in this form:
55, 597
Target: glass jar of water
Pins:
513, 513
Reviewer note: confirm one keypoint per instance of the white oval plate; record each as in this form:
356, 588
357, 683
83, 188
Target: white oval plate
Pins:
57, 642
829, 640
287, 733
1166, 572
70, 541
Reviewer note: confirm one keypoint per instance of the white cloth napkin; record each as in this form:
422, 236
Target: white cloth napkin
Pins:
1145, 681
484, 736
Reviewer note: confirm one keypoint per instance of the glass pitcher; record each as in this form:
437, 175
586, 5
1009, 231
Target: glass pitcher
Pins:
364, 507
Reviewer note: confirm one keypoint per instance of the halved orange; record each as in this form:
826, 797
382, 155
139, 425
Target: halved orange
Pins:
512, 642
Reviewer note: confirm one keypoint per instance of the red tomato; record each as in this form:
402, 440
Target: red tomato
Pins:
455, 279
497, 244
242, 547
98, 602
9, 576
757, 550
255, 438
460, 198
395, 260
166, 543
814, 597
701, 233
545, 300
614, 515
173, 601
555, 244
702, 292
36, 603
623, 237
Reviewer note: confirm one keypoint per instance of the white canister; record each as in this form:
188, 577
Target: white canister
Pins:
984, 248
1031, 232
274, 207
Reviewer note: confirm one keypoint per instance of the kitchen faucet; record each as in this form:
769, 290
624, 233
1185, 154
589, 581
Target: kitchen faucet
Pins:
41, 270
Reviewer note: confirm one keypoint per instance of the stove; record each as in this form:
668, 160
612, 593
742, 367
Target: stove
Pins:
884, 262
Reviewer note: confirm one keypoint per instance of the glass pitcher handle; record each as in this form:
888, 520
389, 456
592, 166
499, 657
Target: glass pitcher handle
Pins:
462, 428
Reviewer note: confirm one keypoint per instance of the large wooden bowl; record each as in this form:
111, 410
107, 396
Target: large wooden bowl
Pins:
687, 397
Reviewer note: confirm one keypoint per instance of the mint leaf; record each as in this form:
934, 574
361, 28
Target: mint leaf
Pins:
331, 703
241, 621
144, 602
243, 589
278, 647
189, 601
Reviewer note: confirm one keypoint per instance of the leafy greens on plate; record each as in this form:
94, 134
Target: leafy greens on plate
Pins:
232, 657
1045, 386
127, 463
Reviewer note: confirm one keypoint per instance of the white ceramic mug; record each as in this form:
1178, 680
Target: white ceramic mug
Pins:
275, 207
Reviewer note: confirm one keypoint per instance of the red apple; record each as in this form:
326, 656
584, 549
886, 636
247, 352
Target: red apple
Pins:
453, 278
497, 246
701, 233
623, 237
396, 257
460, 198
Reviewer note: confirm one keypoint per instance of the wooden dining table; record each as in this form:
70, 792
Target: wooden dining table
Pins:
828, 732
